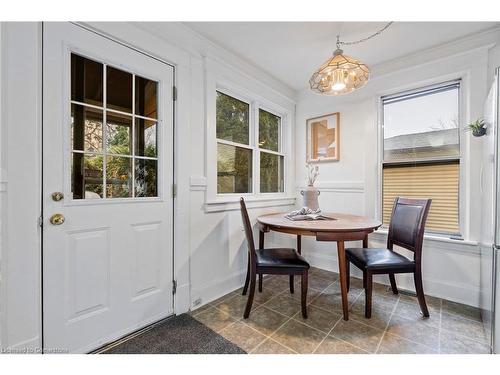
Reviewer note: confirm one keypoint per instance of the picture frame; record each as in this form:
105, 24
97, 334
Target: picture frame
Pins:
323, 138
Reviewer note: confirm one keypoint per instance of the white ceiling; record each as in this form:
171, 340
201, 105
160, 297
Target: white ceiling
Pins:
291, 51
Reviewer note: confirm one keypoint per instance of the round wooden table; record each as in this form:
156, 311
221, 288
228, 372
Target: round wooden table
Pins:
342, 228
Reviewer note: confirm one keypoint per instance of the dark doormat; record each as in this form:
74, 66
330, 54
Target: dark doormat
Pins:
177, 335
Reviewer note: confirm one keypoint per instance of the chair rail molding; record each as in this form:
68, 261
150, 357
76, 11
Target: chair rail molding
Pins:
336, 186
252, 202
198, 183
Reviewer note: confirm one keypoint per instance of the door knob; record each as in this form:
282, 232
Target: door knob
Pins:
57, 196
57, 219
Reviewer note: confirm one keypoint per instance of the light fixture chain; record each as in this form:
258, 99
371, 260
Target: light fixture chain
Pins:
339, 43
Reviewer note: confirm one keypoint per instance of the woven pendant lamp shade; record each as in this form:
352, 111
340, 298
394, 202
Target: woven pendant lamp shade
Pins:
340, 74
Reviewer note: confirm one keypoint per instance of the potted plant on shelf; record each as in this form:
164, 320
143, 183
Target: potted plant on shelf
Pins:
477, 127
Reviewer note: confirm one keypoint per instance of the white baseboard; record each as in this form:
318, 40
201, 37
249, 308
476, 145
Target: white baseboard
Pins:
218, 288
182, 299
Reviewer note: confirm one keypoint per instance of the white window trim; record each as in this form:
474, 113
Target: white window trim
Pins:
464, 183
222, 202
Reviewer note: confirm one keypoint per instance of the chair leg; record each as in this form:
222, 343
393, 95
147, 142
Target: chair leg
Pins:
364, 279
247, 279
253, 281
368, 295
348, 273
417, 275
303, 294
291, 284
260, 283
394, 287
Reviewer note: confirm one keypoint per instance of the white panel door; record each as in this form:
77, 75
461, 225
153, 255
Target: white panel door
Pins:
108, 151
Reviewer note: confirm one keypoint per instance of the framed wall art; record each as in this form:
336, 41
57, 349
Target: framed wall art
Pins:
323, 138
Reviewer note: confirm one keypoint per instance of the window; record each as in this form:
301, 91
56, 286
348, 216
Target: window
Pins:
271, 160
113, 132
421, 152
234, 153
240, 146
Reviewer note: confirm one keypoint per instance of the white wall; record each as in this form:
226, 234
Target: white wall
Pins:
3, 187
450, 268
493, 62
20, 128
209, 253
218, 247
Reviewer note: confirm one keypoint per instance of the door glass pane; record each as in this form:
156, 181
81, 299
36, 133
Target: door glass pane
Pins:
118, 177
145, 97
232, 119
234, 169
86, 80
107, 142
86, 128
271, 173
146, 181
119, 133
86, 176
145, 137
269, 130
118, 89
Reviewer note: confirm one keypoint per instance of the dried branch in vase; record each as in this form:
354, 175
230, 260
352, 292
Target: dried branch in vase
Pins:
312, 174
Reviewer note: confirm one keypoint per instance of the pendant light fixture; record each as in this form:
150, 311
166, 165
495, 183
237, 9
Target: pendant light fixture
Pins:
342, 74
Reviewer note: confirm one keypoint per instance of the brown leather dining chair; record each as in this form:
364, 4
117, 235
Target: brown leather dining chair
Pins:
277, 261
406, 230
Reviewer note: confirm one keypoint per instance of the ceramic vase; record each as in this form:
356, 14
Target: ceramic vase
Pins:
310, 197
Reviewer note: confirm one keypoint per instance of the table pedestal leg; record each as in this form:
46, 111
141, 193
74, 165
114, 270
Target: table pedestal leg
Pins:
343, 278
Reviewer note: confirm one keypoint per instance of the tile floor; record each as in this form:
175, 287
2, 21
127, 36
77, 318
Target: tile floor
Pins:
275, 325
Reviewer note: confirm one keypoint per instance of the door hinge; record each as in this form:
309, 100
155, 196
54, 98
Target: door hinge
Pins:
174, 286
174, 93
174, 190
40, 221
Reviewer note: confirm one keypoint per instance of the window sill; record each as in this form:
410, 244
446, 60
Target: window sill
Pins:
437, 241
233, 203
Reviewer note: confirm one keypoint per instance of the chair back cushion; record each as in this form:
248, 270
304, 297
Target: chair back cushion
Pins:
248, 229
408, 223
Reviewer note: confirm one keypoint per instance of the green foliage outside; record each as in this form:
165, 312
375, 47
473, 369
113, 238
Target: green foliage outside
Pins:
119, 169
234, 164
234, 169
269, 125
271, 173
232, 119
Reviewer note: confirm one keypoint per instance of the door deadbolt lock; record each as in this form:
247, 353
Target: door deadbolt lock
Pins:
57, 219
57, 196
